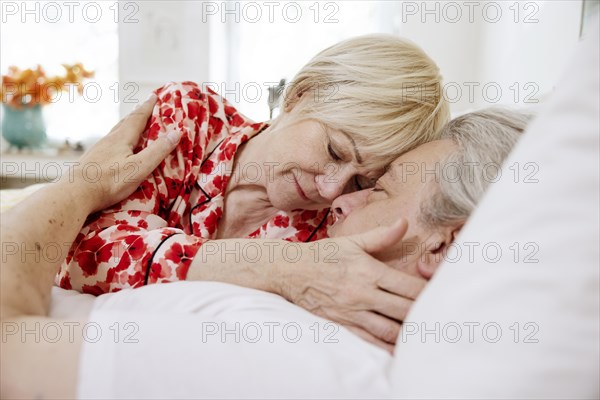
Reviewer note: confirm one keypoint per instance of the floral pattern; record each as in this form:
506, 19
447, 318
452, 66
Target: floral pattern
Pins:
154, 234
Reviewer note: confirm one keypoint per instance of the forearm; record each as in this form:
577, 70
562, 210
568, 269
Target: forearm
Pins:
45, 221
268, 265
29, 249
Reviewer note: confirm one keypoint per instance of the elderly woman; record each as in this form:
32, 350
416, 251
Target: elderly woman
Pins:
347, 114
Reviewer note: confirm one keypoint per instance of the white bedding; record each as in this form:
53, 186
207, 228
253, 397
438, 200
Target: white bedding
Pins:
179, 327
70, 304
539, 294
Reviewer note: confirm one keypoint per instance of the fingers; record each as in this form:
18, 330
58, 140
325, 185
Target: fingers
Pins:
401, 283
150, 157
135, 122
379, 239
381, 327
370, 338
390, 305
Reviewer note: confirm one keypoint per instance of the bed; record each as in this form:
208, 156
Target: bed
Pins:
529, 324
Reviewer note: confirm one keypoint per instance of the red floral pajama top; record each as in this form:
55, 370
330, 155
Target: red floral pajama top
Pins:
182, 200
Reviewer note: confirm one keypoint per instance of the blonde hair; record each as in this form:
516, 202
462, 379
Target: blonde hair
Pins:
383, 91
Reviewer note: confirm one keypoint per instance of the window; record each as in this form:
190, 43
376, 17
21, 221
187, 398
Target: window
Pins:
54, 33
265, 42
489, 52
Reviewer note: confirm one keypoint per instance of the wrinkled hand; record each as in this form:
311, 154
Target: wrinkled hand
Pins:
109, 171
358, 291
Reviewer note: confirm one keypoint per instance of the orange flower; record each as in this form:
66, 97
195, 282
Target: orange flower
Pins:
28, 88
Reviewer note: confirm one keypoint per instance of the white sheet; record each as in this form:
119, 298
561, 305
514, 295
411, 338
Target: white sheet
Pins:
70, 304
171, 328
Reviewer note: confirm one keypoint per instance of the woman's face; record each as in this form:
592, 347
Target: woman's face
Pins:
309, 165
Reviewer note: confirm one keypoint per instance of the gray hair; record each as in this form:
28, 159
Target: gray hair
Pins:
484, 140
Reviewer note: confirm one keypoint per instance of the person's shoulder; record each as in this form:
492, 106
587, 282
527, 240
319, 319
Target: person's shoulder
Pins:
189, 90
196, 96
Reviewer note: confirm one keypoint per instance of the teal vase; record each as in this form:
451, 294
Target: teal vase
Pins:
23, 127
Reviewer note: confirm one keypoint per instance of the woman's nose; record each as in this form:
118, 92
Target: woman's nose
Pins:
330, 186
346, 204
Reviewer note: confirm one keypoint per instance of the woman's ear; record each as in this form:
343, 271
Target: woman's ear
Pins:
291, 100
295, 93
436, 246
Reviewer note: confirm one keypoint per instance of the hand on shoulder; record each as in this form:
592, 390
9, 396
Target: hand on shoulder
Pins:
117, 171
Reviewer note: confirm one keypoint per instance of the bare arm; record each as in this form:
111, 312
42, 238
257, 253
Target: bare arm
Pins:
29, 369
37, 368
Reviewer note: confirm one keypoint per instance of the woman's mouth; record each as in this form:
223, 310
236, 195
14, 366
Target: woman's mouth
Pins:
299, 190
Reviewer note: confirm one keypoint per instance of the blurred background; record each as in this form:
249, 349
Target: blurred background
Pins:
489, 52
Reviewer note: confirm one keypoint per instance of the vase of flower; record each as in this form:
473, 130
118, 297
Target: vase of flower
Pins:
25, 92
23, 127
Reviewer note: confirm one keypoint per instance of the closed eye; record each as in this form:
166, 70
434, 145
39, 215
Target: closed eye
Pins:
362, 182
377, 188
332, 152
378, 192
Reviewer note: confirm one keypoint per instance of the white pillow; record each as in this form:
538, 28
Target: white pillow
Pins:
543, 331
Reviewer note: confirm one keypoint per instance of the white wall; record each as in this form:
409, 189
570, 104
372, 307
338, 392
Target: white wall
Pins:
481, 50
528, 43
168, 43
